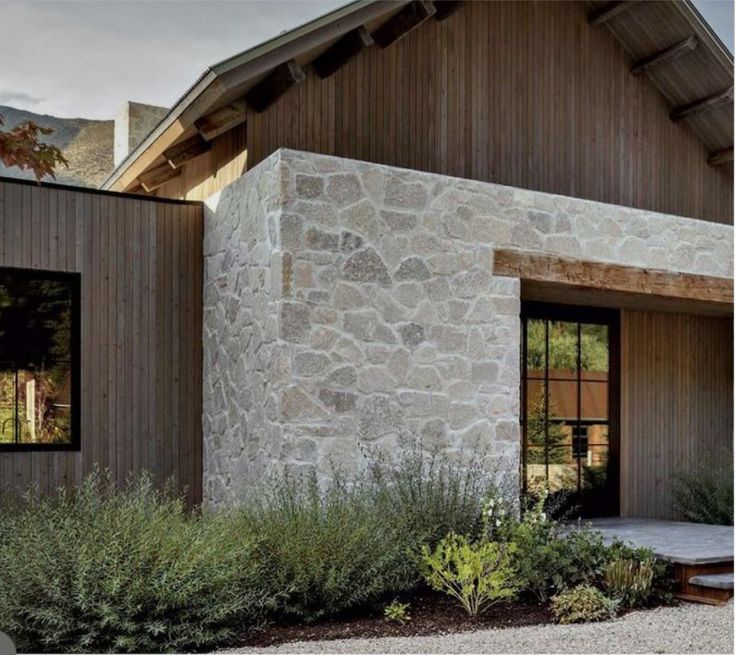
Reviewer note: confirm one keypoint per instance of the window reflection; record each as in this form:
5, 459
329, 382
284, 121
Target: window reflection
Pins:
36, 377
566, 412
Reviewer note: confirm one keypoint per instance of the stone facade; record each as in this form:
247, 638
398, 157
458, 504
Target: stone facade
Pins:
350, 304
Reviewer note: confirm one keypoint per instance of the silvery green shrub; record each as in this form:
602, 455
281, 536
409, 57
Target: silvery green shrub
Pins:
103, 570
330, 549
705, 494
356, 542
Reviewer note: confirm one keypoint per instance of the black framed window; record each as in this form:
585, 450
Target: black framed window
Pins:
569, 381
39, 360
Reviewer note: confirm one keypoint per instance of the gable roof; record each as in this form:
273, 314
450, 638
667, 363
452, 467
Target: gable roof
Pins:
698, 86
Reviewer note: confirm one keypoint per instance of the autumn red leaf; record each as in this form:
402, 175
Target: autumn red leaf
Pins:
21, 146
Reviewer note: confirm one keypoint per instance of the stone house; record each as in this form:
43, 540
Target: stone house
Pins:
495, 228
485, 227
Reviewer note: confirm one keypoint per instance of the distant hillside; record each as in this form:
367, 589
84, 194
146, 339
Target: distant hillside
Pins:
87, 144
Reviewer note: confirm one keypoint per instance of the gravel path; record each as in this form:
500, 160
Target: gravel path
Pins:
688, 628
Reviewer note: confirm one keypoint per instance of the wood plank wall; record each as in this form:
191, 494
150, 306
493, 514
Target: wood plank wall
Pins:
141, 329
520, 93
676, 403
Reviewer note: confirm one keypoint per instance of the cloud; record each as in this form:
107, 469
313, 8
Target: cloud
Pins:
86, 58
15, 98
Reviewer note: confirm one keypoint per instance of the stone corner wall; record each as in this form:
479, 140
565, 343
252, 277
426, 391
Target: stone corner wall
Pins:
240, 330
350, 306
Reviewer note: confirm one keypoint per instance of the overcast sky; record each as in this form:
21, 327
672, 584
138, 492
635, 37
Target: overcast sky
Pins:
86, 58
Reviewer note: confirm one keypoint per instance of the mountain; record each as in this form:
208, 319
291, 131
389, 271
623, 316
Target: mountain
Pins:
87, 144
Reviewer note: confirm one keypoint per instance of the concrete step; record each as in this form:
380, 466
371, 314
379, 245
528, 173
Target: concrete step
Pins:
713, 581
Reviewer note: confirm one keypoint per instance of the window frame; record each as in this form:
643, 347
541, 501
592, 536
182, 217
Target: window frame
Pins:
580, 314
74, 281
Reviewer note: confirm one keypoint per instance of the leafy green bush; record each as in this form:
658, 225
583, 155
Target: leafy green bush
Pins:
549, 556
583, 604
706, 495
477, 574
662, 583
629, 581
330, 549
122, 571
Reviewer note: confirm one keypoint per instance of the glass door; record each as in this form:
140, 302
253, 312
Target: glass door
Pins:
569, 391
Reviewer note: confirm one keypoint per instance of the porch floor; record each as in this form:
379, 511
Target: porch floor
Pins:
691, 544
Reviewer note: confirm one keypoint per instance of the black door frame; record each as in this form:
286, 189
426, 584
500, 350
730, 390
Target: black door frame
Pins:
581, 314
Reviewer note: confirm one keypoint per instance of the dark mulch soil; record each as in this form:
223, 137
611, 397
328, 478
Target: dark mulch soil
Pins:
430, 614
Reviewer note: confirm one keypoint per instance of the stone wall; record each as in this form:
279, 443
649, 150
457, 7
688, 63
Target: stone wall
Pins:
351, 305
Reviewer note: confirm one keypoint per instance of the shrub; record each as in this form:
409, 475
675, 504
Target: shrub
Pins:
330, 550
662, 581
358, 541
549, 556
582, 604
102, 570
629, 582
397, 612
432, 495
706, 495
477, 574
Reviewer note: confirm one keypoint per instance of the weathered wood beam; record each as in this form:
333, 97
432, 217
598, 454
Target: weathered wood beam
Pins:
222, 120
720, 157
407, 19
274, 85
445, 8
667, 54
579, 273
342, 51
155, 177
180, 153
701, 105
610, 10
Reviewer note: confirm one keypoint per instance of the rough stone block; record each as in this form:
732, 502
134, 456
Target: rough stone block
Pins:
366, 266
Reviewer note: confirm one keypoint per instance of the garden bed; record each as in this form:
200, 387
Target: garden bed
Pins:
430, 614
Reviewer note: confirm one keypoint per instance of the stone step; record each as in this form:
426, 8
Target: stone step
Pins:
713, 581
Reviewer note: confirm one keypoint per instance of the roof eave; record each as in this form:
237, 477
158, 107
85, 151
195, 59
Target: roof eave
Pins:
216, 72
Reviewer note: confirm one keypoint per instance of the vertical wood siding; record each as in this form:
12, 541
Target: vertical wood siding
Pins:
676, 402
519, 93
141, 348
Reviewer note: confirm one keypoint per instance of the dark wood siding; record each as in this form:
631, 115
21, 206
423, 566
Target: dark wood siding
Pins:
519, 93
676, 403
141, 349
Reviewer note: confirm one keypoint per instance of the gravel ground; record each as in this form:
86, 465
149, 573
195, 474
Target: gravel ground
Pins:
688, 628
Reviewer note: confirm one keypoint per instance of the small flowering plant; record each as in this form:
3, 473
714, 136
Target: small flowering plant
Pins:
494, 515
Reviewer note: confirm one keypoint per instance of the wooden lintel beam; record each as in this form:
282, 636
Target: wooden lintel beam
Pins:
274, 85
407, 19
180, 153
610, 10
222, 120
342, 51
703, 104
675, 51
151, 179
445, 8
601, 276
720, 157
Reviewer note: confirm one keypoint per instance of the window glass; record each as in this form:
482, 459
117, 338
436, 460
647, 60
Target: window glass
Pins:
565, 392
535, 348
563, 350
37, 311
